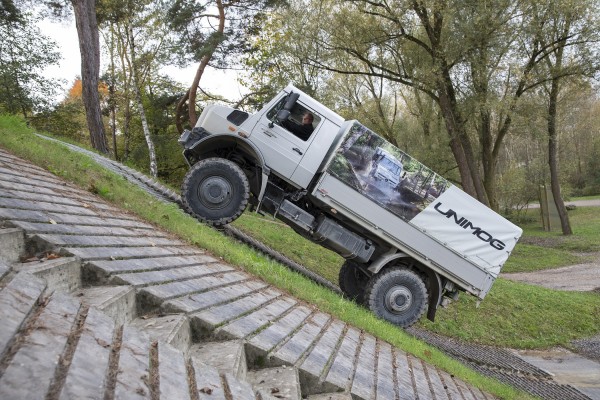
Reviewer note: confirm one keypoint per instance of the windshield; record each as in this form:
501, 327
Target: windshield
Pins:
391, 166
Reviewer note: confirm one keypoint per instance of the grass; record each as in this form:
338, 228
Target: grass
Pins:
516, 315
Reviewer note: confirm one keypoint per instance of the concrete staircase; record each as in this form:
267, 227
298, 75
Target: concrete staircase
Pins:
61, 337
145, 314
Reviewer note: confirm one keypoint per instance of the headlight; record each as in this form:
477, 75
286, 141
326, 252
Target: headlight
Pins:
185, 136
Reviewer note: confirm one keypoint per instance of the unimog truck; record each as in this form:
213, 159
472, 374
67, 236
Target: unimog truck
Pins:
411, 240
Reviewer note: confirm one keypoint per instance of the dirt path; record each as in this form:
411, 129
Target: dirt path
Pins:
580, 277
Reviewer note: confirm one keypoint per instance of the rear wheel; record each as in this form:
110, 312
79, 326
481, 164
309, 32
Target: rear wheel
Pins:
353, 281
397, 295
216, 191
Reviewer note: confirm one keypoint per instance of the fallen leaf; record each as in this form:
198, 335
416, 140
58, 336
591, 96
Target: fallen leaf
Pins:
53, 222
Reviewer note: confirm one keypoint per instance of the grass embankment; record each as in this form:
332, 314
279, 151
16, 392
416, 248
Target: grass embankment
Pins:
516, 302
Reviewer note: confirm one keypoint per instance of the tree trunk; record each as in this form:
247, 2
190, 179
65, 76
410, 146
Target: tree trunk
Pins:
113, 93
89, 47
190, 96
553, 159
140, 107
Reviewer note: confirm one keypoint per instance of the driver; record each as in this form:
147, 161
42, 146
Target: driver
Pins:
302, 131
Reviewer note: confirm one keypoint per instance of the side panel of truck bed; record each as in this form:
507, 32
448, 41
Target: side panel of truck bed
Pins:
402, 235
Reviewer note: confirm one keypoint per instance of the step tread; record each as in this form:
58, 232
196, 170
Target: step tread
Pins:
133, 376
340, 373
87, 374
173, 329
279, 382
172, 373
385, 372
248, 324
17, 300
208, 382
226, 357
197, 302
301, 341
218, 315
363, 383
274, 334
30, 372
154, 296
168, 275
107, 240
325, 348
107, 253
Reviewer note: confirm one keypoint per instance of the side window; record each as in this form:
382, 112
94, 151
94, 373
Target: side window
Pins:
301, 122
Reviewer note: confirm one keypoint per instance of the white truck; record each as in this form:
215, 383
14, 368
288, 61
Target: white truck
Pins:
409, 246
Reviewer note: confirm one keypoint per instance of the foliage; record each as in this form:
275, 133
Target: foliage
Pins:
24, 53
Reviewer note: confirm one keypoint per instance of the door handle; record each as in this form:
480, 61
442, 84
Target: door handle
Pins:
297, 150
268, 133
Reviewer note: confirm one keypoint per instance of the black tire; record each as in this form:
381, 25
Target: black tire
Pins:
397, 295
216, 191
352, 282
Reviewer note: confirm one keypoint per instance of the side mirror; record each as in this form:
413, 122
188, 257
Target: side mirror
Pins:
281, 116
291, 101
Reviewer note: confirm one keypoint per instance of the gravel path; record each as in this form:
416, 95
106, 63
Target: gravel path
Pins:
580, 277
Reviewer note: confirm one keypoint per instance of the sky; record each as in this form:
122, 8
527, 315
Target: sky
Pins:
69, 67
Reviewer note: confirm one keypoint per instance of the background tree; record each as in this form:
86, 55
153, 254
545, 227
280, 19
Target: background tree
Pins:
89, 47
212, 33
471, 58
140, 44
574, 28
24, 53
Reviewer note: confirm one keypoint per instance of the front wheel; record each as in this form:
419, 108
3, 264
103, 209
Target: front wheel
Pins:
397, 295
216, 191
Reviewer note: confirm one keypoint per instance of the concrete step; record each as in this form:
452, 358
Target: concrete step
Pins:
227, 357
276, 383
153, 296
118, 302
30, 372
172, 329
4, 270
102, 271
212, 385
91, 363
148, 278
18, 300
332, 396
12, 245
61, 274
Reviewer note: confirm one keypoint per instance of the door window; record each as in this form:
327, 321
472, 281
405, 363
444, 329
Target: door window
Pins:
301, 122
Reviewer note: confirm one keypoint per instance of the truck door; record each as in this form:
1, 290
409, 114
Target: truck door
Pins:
283, 148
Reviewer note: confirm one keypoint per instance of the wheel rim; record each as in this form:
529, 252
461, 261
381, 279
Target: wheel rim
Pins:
215, 192
398, 299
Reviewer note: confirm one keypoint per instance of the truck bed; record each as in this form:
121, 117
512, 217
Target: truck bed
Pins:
405, 236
